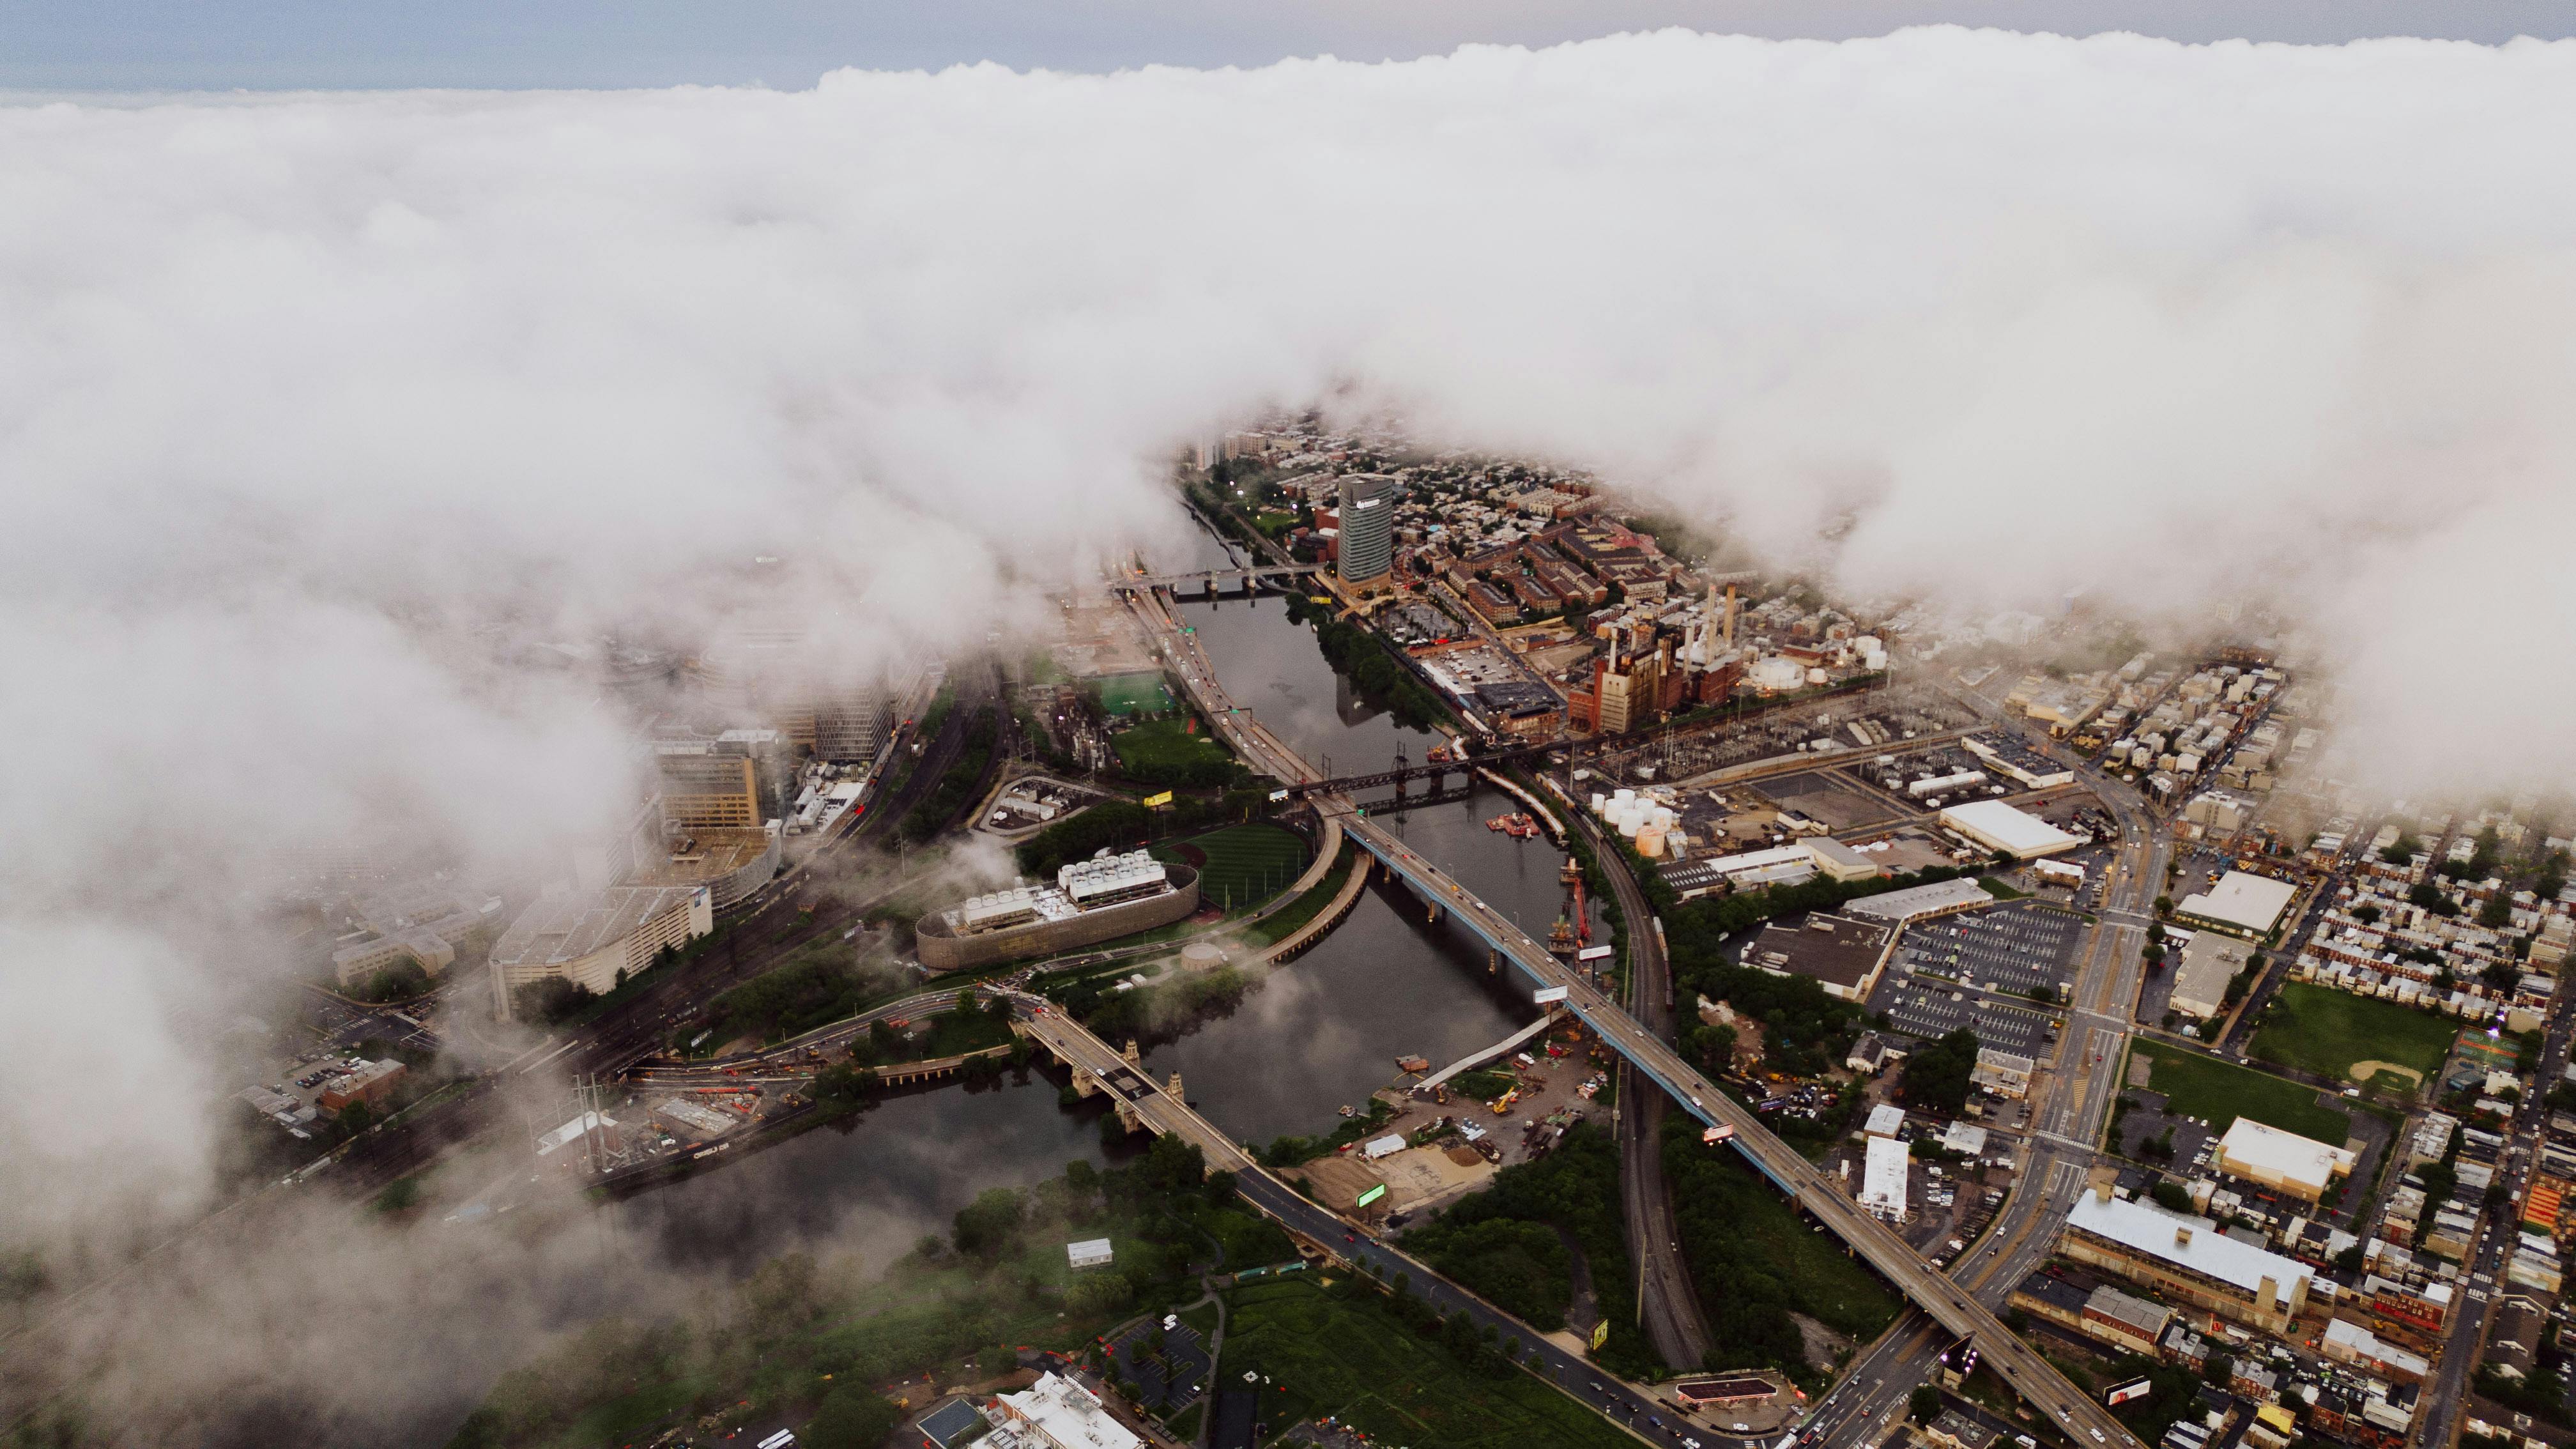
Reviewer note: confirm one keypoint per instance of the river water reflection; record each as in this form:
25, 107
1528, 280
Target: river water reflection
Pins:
876, 1182
1318, 1033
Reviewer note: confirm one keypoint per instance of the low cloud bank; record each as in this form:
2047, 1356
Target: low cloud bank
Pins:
314, 408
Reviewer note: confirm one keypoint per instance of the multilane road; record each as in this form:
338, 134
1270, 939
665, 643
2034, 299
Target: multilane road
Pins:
1946, 1302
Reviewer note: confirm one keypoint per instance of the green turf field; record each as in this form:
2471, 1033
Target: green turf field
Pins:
1134, 693
1351, 1358
2219, 1092
1240, 864
2321, 1030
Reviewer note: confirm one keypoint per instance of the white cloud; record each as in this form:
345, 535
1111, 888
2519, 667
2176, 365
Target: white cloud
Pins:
299, 393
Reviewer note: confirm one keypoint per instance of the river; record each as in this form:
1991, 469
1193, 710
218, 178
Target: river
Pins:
1318, 1033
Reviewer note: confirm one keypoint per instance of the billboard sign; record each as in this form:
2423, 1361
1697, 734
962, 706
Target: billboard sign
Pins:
1151, 801
1370, 1196
2126, 1392
1546, 994
1601, 1333
1278, 795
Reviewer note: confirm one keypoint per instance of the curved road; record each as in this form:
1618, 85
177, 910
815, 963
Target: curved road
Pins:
2016, 1363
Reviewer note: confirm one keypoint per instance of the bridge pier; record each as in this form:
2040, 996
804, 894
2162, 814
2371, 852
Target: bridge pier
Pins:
1085, 1085
1128, 1119
1173, 1089
1132, 1056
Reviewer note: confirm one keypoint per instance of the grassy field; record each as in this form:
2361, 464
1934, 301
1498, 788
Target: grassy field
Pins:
1240, 864
1164, 742
2325, 1031
1350, 1357
1305, 908
2219, 1092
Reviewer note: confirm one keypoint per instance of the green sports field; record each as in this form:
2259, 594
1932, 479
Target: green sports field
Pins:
1240, 864
2219, 1092
1133, 693
2321, 1030
1349, 1357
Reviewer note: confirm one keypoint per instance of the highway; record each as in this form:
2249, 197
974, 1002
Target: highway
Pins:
1158, 1111
2069, 1102
1946, 1302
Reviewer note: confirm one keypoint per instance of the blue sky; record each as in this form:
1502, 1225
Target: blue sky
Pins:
273, 44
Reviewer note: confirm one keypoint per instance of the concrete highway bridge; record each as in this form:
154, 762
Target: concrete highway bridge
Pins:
1944, 1301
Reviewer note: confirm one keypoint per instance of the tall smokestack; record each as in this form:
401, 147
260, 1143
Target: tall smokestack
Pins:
1730, 616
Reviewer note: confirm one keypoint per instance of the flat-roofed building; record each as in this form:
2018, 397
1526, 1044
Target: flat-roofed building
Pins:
1839, 861
1091, 901
2006, 1074
1057, 1413
2285, 1162
368, 1082
596, 938
705, 790
2347, 1342
2006, 830
2242, 902
1884, 1163
1842, 955
2513, 1339
1921, 903
2187, 1259
2201, 974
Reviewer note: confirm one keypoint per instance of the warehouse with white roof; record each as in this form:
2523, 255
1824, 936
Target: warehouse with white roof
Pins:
1882, 1178
2285, 1162
2242, 902
1999, 827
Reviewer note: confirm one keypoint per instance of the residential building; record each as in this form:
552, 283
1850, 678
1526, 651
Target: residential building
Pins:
850, 721
2513, 1339
1367, 508
2347, 1342
705, 790
596, 938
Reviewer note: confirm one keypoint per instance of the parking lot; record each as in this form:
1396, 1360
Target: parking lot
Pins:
2022, 948
1929, 1008
1166, 1379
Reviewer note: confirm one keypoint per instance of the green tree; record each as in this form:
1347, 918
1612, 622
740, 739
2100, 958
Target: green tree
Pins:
1174, 1162
851, 1418
986, 1226
1924, 1404
1937, 1076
